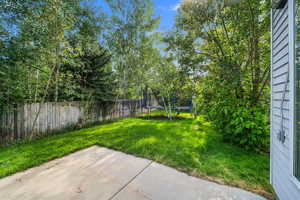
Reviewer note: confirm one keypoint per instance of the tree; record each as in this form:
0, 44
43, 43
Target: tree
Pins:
36, 46
89, 76
131, 34
43, 39
231, 39
90, 80
168, 84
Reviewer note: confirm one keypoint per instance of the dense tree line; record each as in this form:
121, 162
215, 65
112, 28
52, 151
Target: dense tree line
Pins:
51, 51
66, 50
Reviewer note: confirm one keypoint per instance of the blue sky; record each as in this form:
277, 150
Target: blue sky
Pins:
167, 10
164, 8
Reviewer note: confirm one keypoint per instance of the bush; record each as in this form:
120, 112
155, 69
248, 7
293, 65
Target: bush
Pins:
242, 125
240, 122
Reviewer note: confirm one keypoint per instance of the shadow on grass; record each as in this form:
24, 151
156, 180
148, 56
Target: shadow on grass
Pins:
160, 117
194, 148
186, 144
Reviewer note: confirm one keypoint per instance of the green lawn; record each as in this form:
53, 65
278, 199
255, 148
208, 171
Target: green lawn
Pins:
188, 145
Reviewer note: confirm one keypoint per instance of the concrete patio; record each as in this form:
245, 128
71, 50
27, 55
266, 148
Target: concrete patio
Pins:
101, 174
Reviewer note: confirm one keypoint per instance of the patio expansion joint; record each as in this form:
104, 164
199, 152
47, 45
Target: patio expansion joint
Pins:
130, 181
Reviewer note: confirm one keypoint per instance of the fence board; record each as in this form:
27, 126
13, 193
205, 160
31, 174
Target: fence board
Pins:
17, 123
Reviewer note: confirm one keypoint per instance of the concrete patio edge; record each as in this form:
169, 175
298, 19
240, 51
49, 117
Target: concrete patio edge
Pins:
100, 173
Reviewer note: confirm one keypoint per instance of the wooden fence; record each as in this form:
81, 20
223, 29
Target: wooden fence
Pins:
43, 119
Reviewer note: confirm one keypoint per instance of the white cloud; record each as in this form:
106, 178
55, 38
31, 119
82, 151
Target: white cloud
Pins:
176, 7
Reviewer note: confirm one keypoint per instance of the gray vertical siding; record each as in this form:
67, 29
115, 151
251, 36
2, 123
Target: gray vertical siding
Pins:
281, 170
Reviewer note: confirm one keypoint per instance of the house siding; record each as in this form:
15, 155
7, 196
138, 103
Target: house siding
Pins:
281, 153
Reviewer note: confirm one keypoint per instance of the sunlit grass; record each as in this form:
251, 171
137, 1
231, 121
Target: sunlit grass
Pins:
190, 145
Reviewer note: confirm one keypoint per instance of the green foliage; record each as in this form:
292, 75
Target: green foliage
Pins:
188, 145
132, 39
88, 79
240, 123
226, 47
53, 52
217, 55
169, 85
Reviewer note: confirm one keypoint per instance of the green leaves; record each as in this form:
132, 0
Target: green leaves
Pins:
242, 125
48, 46
229, 44
132, 41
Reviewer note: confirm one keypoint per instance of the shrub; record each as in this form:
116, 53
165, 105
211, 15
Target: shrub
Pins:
239, 121
242, 125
